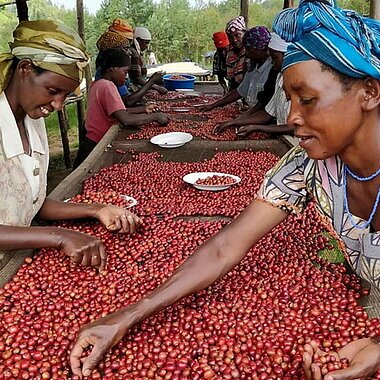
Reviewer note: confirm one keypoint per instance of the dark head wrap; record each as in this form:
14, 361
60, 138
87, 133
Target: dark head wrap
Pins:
338, 38
112, 58
257, 38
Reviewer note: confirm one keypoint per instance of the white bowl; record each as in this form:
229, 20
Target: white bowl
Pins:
171, 139
192, 178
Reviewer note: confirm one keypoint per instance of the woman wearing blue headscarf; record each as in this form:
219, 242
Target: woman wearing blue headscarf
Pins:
332, 77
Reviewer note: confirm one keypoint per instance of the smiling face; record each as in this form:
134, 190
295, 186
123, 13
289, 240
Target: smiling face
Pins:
328, 117
41, 93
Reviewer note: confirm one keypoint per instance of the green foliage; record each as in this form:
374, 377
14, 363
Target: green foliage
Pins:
180, 28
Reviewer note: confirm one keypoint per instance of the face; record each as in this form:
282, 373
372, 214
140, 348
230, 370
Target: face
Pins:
144, 44
42, 93
236, 38
277, 58
118, 75
257, 55
326, 116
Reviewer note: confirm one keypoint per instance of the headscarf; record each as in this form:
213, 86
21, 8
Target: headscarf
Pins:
220, 40
277, 43
111, 40
122, 27
49, 45
237, 23
143, 33
257, 38
338, 38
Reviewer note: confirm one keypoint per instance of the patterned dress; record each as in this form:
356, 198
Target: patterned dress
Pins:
297, 179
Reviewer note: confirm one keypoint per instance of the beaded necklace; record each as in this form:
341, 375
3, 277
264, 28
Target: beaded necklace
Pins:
366, 223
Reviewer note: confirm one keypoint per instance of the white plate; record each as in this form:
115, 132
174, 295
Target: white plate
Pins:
189, 92
192, 178
180, 109
133, 201
171, 139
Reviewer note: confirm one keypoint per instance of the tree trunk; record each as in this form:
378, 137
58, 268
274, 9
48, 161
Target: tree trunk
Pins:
374, 10
288, 4
80, 20
22, 10
244, 7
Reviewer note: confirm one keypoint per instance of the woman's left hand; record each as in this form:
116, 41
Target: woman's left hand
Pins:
117, 219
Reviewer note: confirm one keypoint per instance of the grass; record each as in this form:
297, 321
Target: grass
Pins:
334, 254
53, 131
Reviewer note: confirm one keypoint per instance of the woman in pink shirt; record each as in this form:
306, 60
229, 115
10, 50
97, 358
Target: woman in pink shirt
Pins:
105, 105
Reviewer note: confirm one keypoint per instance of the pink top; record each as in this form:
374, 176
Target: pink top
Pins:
103, 101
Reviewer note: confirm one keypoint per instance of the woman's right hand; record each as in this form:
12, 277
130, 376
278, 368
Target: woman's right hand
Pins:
101, 335
206, 108
83, 249
363, 356
161, 118
245, 130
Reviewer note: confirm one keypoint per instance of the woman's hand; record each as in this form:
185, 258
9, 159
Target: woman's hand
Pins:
363, 356
206, 108
245, 130
117, 219
221, 127
83, 249
162, 90
150, 108
102, 335
161, 118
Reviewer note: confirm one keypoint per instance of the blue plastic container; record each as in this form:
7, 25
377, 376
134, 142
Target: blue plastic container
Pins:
176, 84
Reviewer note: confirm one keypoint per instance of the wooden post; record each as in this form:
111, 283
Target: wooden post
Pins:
64, 126
22, 10
374, 9
288, 4
80, 20
244, 8
81, 117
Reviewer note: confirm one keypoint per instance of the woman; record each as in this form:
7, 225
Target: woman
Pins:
105, 105
236, 60
335, 113
219, 67
45, 64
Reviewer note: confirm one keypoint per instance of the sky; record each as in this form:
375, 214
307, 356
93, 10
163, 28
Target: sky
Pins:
91, 5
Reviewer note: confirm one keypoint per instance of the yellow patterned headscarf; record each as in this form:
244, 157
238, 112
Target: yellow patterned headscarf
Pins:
49, 45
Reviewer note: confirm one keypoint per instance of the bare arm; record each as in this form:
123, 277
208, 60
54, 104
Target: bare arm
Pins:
132, 98
260, 117
229, 98
127, 119
282, 129
211, 261
56, 210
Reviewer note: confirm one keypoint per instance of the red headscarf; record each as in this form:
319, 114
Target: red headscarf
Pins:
220, 39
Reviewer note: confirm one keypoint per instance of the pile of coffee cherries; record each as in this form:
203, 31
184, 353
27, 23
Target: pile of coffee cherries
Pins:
216, 180
251, 324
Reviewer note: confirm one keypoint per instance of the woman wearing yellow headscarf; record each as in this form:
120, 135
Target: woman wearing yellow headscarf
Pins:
44, 65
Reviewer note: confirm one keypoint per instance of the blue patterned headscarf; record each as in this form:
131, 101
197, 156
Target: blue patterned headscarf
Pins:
338, 38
